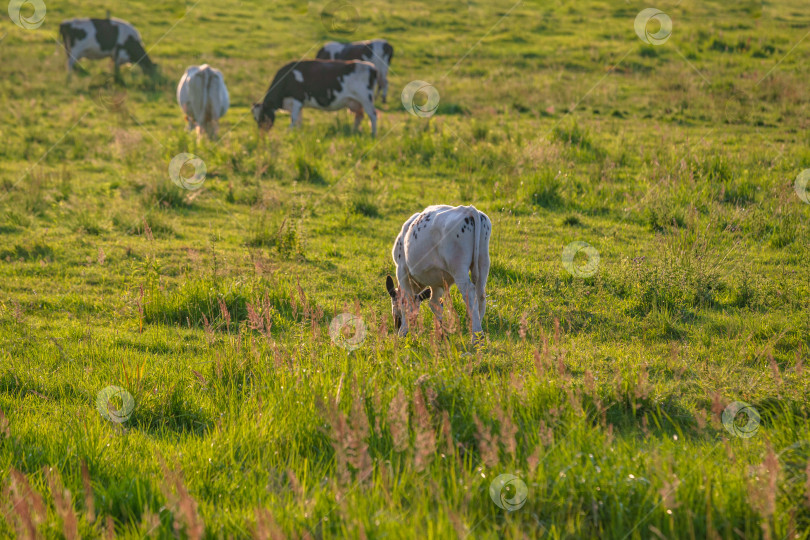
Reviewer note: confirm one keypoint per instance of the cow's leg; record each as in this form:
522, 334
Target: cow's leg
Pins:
383, 86
372, 114
467, 290
436, 305
481, 291
70, 61
295, 113
357, 109
116, 66
358, 118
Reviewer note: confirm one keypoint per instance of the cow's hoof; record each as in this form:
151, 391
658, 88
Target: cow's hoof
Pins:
479, 342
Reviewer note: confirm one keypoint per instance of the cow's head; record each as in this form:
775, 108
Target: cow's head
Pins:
149, 68
398, 303
264, 117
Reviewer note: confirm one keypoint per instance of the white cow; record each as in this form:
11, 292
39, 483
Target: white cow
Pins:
203, 96
377, 51
437, 247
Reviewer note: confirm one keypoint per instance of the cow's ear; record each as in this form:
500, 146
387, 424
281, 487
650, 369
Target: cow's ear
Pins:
389, 285
424, 295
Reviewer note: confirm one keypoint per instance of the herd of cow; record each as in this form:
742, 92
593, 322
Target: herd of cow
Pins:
437, 247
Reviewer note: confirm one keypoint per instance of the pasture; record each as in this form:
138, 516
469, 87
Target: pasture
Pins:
604, 380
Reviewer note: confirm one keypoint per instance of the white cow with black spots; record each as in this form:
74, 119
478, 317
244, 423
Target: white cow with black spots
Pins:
104, 38
328, 85
437, 247
203, 96
377, 51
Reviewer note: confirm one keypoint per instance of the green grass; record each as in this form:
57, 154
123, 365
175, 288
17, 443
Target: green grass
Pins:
212, 307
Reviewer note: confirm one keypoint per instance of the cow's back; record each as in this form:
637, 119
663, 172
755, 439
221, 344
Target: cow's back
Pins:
207, 95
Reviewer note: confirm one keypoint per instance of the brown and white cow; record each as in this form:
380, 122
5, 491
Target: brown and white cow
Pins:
328, 85
377, 51
437, 247
104, 38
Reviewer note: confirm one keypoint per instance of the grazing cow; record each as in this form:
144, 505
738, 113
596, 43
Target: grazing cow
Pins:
104, 38
437, 247
203, 96
328, 85
377, 51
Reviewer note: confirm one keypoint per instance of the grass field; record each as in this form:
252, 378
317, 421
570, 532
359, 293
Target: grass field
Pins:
601, 390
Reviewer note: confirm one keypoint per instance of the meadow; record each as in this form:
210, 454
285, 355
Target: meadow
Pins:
604, 384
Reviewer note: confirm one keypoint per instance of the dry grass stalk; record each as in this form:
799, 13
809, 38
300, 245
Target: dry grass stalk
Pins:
349, 441
63, 503
508, 432
27, 508
718, 405
763, 490
777, 377
109, 528
209, 332
182, 505
398, 421
524, 326
424, 445
534, 460
149, 522
546, 434
89, 501
4, 430
266, 526
226, 316
487, 444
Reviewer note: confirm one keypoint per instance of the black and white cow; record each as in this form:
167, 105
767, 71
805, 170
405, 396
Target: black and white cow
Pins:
328, 85
437, 247
377, 51
104, 38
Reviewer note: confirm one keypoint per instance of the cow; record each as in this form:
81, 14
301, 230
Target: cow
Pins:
104, 38
437, 247
377, 51
328, 85
203, 96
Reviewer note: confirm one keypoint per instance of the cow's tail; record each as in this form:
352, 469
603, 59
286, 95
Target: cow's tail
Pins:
208, 113
475, 267
198, 94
